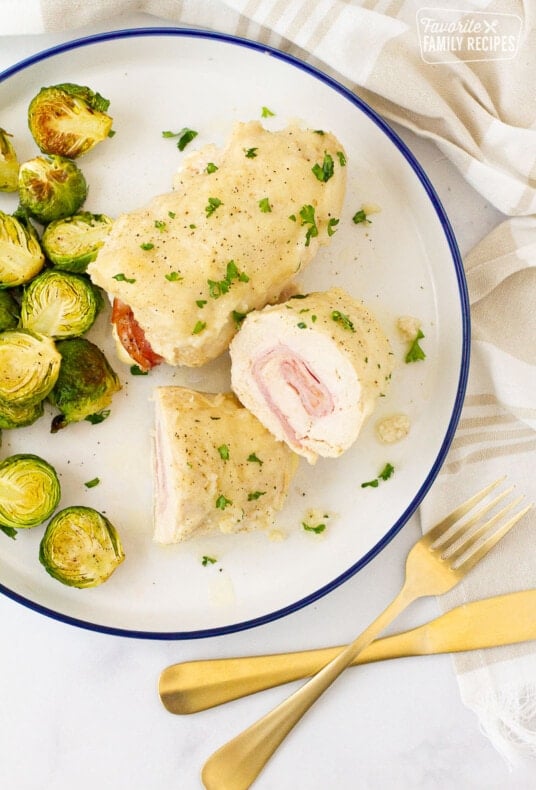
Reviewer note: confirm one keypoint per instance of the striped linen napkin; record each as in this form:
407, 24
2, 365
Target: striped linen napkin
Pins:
464, 79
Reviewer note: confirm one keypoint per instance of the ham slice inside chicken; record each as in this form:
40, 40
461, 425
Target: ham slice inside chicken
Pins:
283, 364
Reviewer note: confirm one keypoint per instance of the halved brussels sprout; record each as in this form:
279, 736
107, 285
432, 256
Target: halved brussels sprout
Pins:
73, 242
9, 164
29, 367
68, 119
9, 311
15, 416
21, 256
80, 547
29, 491
86, 382
51, 187
59, 304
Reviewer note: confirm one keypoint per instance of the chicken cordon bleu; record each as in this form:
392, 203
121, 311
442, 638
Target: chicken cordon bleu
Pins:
216, 468
311, 370
240, 223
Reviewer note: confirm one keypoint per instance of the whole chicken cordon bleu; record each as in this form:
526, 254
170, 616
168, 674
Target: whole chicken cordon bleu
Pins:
216, 468
311, 369
240, 223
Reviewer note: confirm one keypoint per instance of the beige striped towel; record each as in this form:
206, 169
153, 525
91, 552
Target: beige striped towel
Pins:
466, 80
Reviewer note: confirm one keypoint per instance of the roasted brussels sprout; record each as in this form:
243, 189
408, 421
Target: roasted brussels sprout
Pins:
80, 547
59, 304
9, 311
21, 256
15, 416
73, 242
68, 119
9, 164
51, 188
86, 382
29, 367
29, 491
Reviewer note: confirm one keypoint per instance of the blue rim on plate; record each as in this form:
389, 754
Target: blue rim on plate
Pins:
464, 303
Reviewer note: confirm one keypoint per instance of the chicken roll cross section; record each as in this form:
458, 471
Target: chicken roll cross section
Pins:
241, 222
216, 468
311, 369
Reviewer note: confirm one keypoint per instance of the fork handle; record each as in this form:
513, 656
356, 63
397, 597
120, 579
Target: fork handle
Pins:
236, 764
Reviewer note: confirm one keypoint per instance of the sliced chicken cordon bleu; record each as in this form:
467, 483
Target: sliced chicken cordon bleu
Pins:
241, 222
311, 369
216, 468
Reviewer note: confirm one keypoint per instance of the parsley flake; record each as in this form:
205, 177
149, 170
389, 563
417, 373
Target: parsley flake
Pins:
317, 529
211, 168
371, 483
185, 136
135, 370
122, 278
238, 317
415, 351
174, 277
160, 224
253, 495
332, 223
324, 171
307, 214
251, 153
385, 474
92, 483
264, 205
360, 216
206, 560
342, 158
217, 288
171, 214
343, 320
199, 327
213, 204
302, 325
252, 458
223, 450
222, 502
266, 113
201, 302
147, 245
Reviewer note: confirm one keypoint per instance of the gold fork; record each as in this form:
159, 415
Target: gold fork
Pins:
435, 564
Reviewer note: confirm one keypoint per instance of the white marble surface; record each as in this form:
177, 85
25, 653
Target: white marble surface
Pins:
80, 710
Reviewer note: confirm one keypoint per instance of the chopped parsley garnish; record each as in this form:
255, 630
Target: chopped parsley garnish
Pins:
206, 560
217, 288
122, 278
302, 325
160, 224
147, 245
307, 214
171, 214
255, 495
292, 217
135, 370
385, 474
342, 158
332, 223
98, 417
343, 320
213, 204
199, 327
185, 136
317, 529
222, 502
319, 131
266, 113
192, 226
360, 216
313, 318
299, 296
211, 167
92, 483
238, 317
223, 450
415, 351
264, 205
252, 458
324, 171
174, 277
201, 302
251, 153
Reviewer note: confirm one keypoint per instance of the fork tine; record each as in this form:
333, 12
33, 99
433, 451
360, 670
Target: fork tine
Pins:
471, 539
466, 526
449, 521
472, 560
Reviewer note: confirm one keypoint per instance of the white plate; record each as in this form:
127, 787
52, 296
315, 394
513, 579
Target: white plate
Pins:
405, 262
